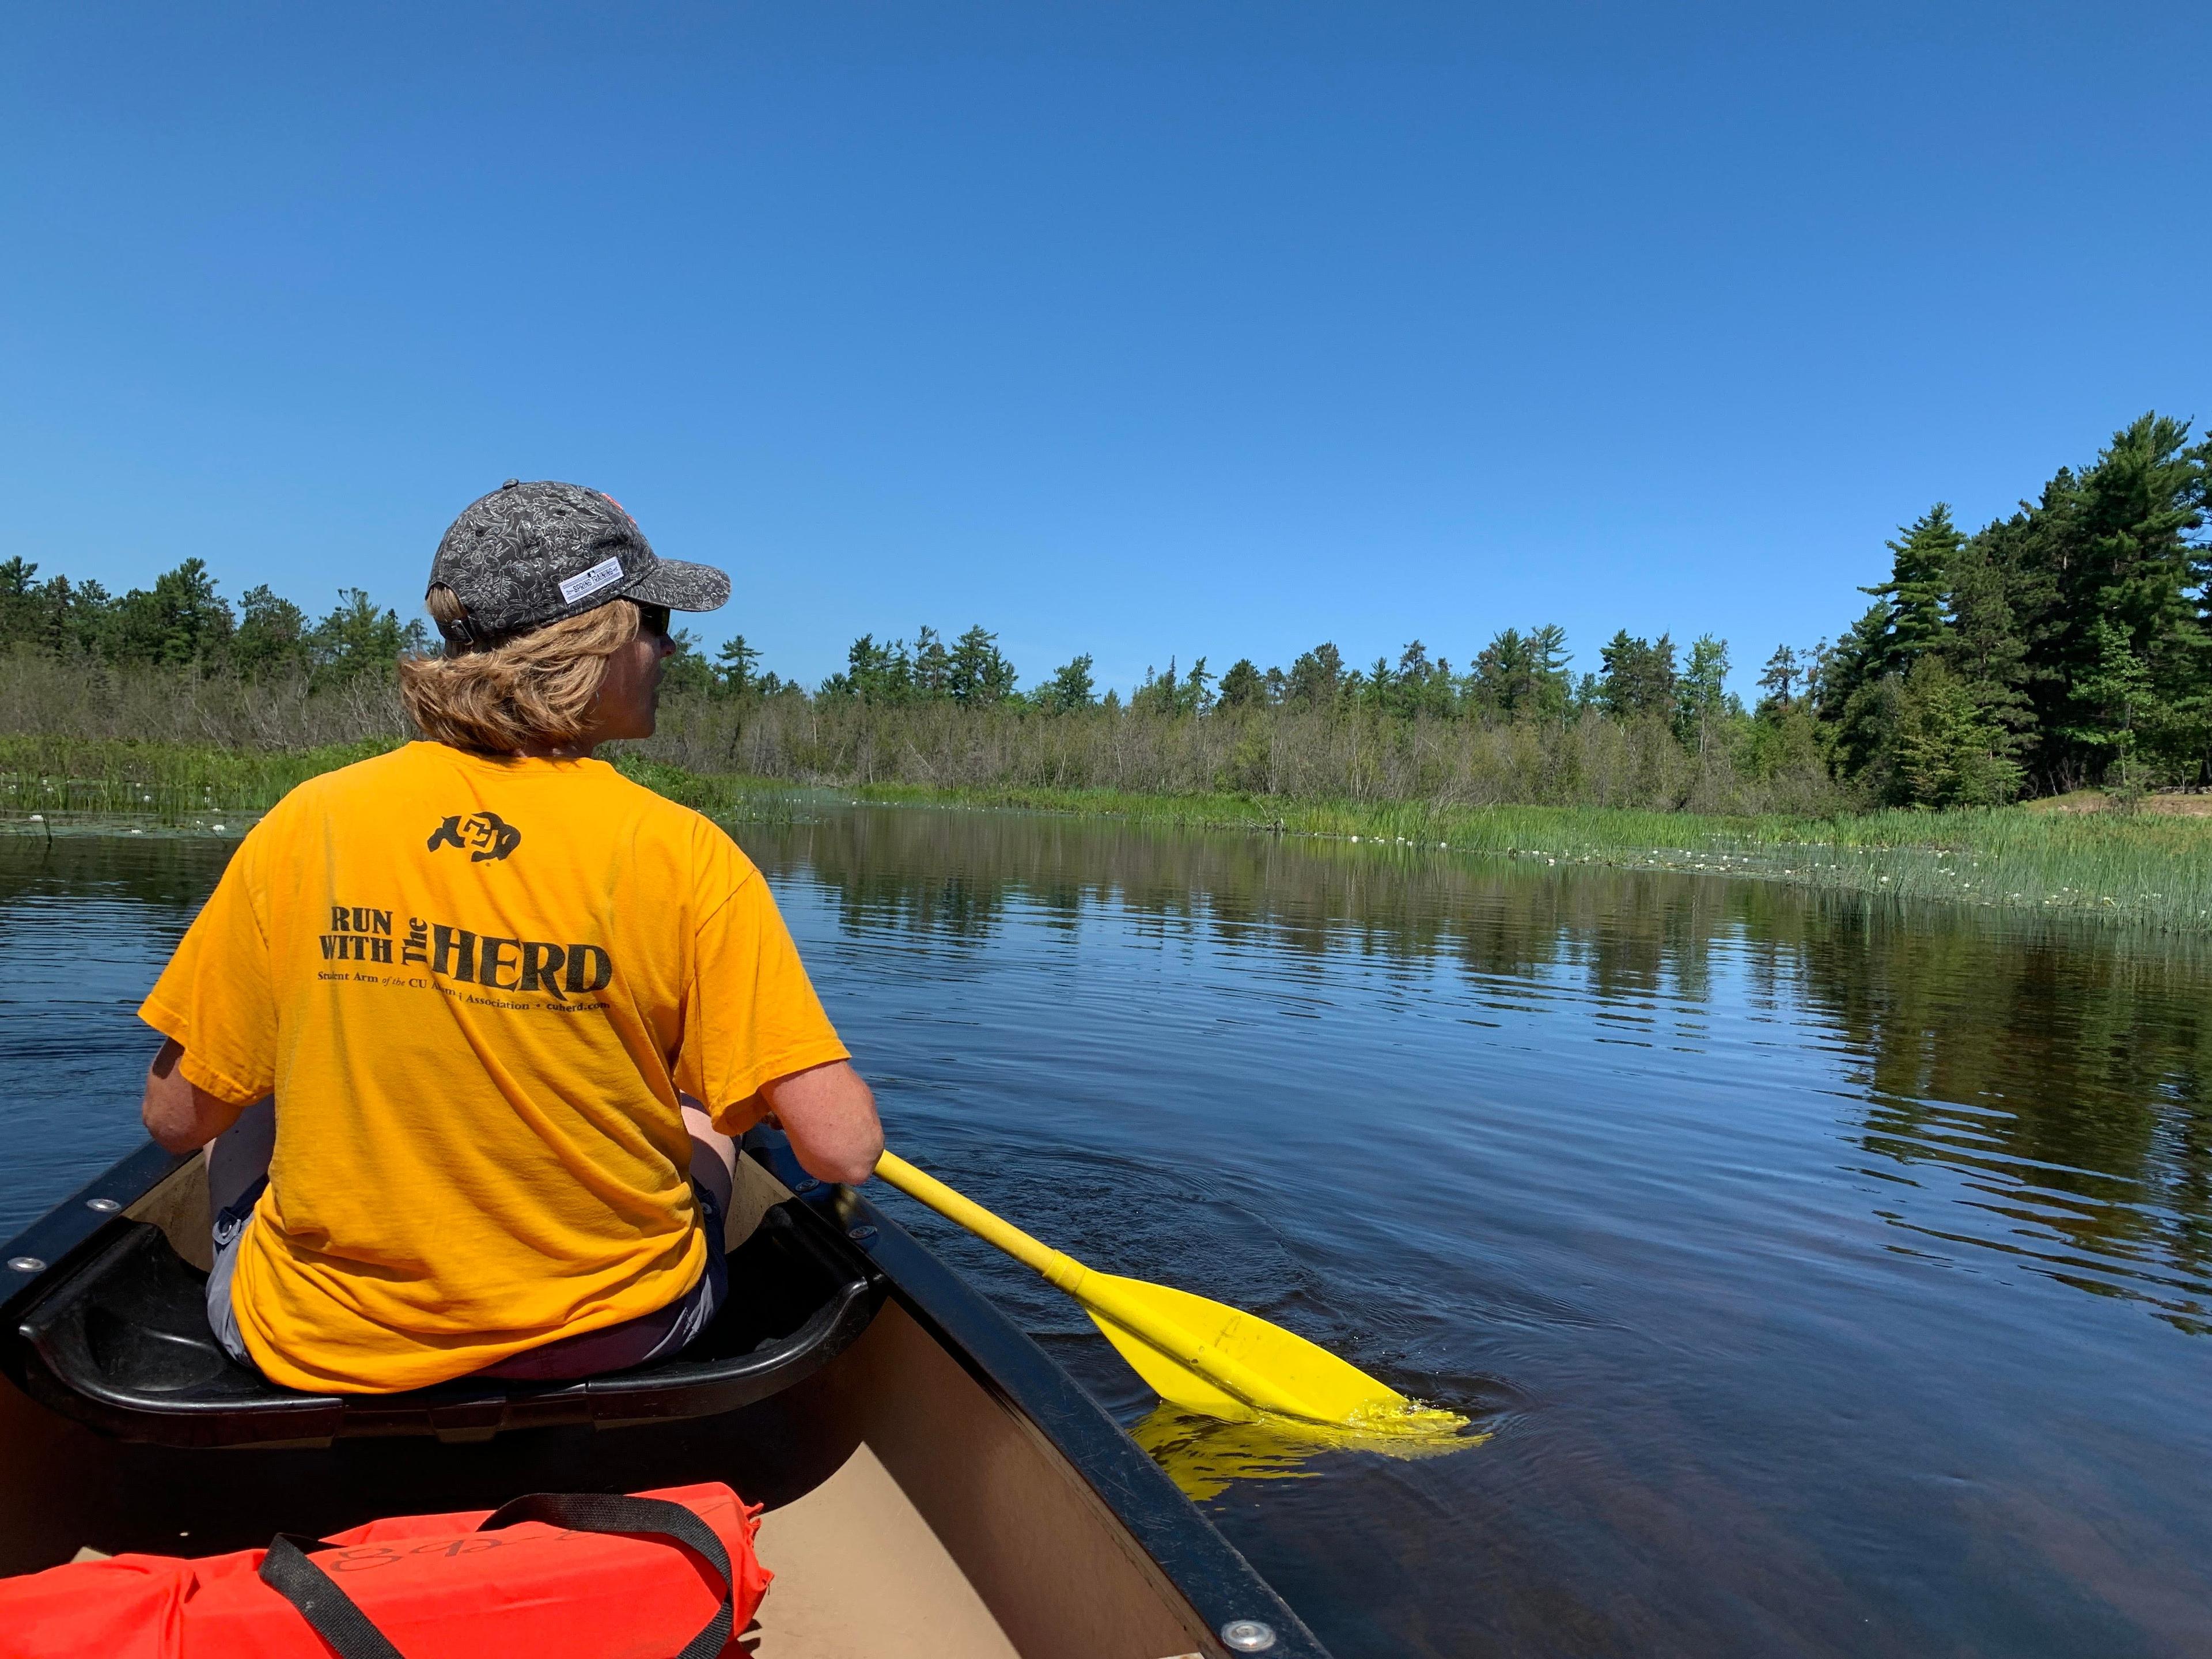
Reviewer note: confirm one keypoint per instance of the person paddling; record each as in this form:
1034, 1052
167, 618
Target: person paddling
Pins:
476, 1020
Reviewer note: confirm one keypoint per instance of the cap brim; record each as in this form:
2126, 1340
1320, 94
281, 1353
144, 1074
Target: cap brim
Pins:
681, 586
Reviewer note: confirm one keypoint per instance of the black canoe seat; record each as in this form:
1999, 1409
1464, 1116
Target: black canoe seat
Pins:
122, 1344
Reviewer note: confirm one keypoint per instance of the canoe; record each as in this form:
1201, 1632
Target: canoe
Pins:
935, 1484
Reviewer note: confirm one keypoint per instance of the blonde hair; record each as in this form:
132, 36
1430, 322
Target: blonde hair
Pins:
501, 695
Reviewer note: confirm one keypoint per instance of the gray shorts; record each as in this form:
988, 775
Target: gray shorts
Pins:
661, 1335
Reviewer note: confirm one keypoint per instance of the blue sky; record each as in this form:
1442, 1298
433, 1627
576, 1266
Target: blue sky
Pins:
1139, 330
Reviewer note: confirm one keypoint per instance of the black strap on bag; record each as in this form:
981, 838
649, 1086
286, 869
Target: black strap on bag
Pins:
287, 1570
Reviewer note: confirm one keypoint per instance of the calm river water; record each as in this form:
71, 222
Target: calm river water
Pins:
1827, 1280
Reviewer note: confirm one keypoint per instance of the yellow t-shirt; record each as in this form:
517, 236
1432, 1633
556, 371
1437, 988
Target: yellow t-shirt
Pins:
476, 987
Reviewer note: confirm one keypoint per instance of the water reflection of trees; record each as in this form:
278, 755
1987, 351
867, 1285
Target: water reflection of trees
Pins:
2054, 1072
2053, 1075
2061, 1070
168, 871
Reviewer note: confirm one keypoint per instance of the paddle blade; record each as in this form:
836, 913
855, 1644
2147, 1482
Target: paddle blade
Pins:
1203, 1355
1176, 1383
1219, 1361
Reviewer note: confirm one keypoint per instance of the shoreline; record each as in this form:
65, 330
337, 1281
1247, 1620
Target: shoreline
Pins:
2149, 869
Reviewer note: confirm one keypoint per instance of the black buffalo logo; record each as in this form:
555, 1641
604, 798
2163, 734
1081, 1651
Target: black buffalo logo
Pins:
481, 834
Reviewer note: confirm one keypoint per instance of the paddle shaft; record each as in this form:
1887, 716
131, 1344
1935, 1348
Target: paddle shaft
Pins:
1100, 1296
1061, 1269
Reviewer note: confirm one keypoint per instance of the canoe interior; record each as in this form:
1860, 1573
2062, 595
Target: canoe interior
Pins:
119, 1340
913, 1507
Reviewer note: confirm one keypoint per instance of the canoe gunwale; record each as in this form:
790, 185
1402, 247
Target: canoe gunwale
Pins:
73, 1230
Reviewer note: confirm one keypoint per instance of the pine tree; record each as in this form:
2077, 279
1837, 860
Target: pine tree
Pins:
1985, 648
931, 670
1197, 695
1156, 693
1243, 686
1919, 569
686, 672
1316, 678
2115, 699
355, 638
733, 667
1701, 694
180, 620
2140, 505
22, 617
1425, 685
1548, 660
1942, 752
272, 641
1854, 699
1779, 677
1378, 689
2115, 545
1069, 690
1502, 685
977, 674
1639, 676
874, 673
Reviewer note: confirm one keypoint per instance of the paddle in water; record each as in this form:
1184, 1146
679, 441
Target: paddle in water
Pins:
1205, 1357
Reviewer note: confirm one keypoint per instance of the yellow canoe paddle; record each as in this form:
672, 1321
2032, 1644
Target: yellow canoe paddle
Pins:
1202, 1355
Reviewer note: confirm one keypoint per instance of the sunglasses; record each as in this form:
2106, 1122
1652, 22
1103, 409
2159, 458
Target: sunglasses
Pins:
653, 619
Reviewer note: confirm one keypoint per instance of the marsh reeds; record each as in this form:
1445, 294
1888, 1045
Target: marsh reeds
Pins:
178, 748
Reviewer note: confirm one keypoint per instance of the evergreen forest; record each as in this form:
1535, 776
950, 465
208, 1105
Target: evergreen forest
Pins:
2067, 645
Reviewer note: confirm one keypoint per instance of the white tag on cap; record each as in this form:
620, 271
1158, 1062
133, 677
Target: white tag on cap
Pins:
599, 576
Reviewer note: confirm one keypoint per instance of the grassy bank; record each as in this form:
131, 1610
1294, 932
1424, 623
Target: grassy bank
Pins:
85, 782
2148, 868
173, 783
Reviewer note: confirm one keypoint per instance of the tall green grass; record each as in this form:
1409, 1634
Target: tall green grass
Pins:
85, 781
174, 784
2146, 869
747, 800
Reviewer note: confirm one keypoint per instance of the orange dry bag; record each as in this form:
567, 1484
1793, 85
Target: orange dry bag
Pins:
663, 1575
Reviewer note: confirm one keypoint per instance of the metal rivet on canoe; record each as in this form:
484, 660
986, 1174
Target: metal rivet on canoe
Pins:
859, 1235
26, 1264
807, 1185
1249, 1635
105, 1206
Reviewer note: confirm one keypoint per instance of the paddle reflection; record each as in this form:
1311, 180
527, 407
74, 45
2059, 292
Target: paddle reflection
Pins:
1204, 1455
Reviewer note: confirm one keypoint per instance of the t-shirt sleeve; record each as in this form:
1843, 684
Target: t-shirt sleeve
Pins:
750, 1014
216, 996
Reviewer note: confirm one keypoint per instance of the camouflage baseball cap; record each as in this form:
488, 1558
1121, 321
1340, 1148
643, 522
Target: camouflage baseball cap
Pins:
529, 554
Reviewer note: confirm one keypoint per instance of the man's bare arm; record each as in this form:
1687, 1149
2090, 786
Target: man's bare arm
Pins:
829, 1113
177, 1112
